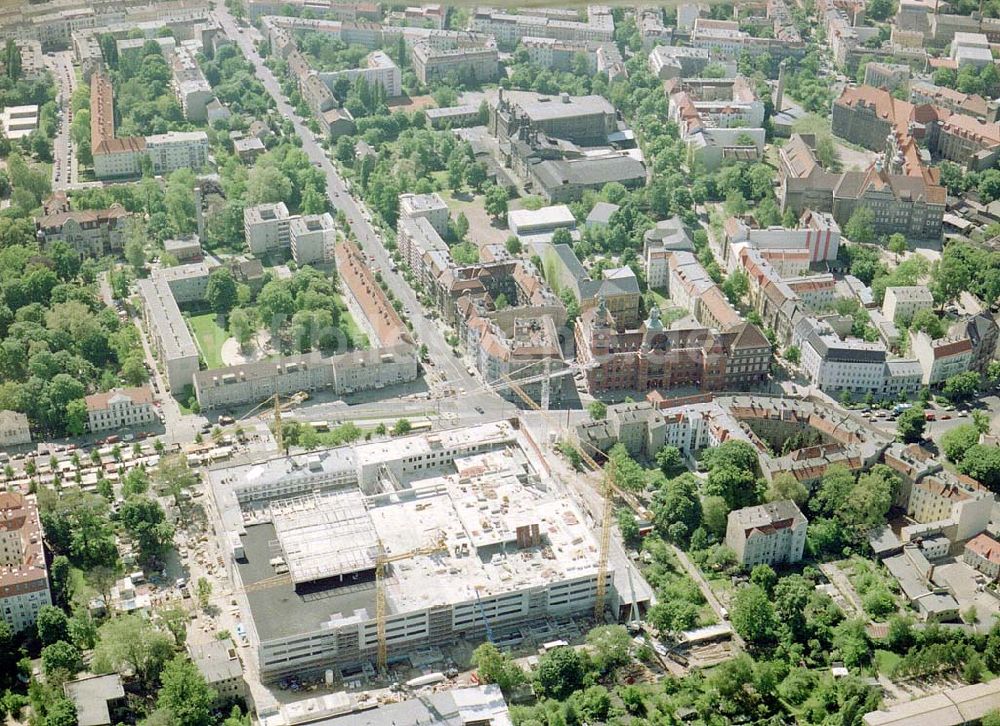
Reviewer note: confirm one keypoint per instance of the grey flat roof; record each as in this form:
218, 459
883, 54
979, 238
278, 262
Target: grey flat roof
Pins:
280, 611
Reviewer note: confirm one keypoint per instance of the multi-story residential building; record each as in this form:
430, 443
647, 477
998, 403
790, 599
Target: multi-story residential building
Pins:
942, 358
943, 499
983, 553
851, 364
192, 90
509, 28
461, 64
678, 61
177, 150
219, 664
265, 227
311, 238
767, 534
912, 204
14, 429
519, 348
120, 408
379, 70
968, 104
92, 232
981, 330
725, 39
24, 582
561, 55
417, 237
658, 245
168, 332
902, 303
123, 157
365, 298
429, 206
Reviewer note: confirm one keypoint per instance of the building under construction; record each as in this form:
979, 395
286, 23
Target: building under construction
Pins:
473, 539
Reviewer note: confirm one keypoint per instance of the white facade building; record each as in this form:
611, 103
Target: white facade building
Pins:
266, 227
312, 238
902, 303
14, 429
24, 582
120, 408
767, 534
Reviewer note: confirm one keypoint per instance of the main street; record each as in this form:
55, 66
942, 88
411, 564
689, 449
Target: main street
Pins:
426, 330
60, 64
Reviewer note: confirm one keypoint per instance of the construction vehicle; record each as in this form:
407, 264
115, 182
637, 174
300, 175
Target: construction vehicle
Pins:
382, 562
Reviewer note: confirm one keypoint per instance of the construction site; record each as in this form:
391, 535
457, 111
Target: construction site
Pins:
363, 559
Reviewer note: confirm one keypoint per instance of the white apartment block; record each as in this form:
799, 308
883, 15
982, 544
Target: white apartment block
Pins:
902, 303
943, 498
433, 64
940, 359
168, 332
768, 534
14, 429
509, 28
266, 227
192, 90
24, 582
312, 238
844, 365
177, 150
430, 206
379, 70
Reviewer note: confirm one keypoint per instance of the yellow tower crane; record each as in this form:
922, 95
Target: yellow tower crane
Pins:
382, 561
607, 513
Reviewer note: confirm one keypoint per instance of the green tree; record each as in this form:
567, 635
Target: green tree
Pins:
560, 672
204, 592
861, 226
52, 624
677, 508
982, 463
961, 386
897, 244
145, 521
598, 410
958, 440
402, 427
221, 290
910, 425
61, 712
786, 486
764, 577
131, 643
174, 476
752, 615
185, 694
669, 459
61, 657
497, 667
928, 322
76, 417
495, 202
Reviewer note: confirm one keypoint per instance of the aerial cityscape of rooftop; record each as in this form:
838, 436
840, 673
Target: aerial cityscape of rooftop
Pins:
367, 364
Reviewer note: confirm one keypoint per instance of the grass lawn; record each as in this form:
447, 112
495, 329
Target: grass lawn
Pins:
210, 338
885, 661
347, 323
668, 311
